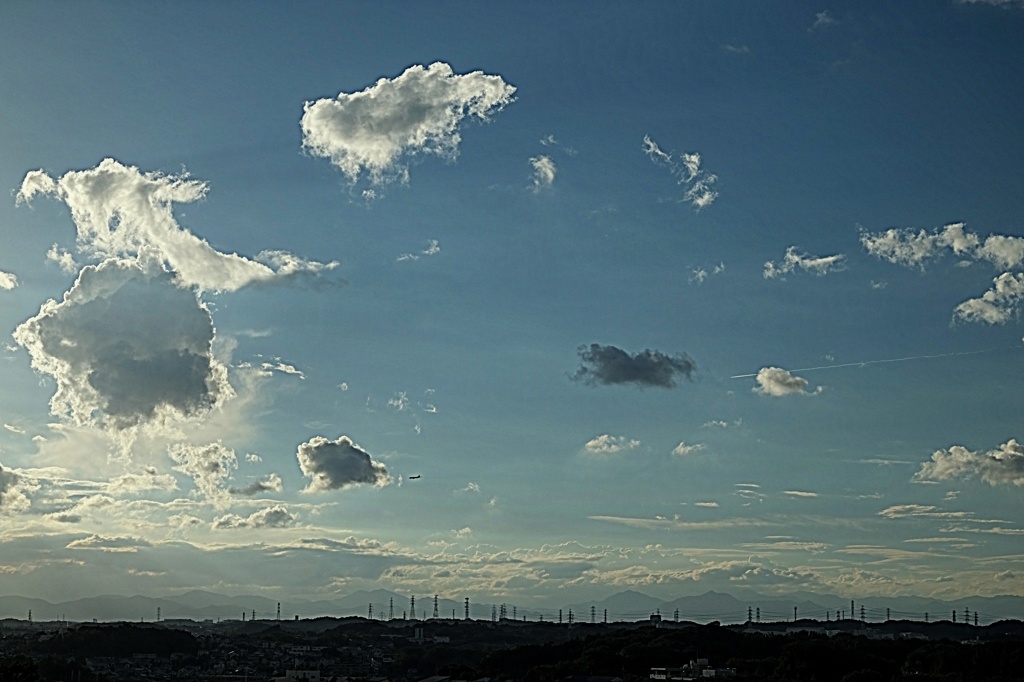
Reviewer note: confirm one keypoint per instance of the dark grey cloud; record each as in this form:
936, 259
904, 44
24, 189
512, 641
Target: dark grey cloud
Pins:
8, 479
126, 346
607, 365
337, 464
271, 484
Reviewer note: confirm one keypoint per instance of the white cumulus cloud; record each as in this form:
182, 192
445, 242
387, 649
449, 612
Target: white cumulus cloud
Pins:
777, 382
276, 516
8, 281
373, 131
998, 304
913, 248
1002, 466
544, 171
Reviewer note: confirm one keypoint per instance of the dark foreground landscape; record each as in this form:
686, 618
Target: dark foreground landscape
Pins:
440, 650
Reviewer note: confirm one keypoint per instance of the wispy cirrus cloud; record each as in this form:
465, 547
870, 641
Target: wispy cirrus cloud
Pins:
823, 19
209, 466
433, 248
115, 543
793, 260
903, 511
685, 449
375, 130
609, 445
686, 168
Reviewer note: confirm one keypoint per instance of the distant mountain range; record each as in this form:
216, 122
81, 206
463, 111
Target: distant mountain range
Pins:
622, 606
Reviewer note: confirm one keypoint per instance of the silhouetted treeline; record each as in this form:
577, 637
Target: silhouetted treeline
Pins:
803, 656
546, 652
120, 641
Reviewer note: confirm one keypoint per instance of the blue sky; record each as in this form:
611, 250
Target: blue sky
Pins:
669, 297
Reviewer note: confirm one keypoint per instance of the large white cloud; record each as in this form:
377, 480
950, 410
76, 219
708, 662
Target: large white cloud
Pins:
127, 347
777, 382
337, 464
120, 211
375, 129
913, 248
1002, 466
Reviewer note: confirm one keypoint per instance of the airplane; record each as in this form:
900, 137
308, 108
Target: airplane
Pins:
412, 477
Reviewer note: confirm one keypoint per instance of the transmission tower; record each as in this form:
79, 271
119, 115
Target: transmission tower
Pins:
862, 612
606, 616
559, 616
158, 614
570, 616
369, 613
412, 606
391, 608
279, 610
494, 613
593, 617
467, 608
435, 606
675, 616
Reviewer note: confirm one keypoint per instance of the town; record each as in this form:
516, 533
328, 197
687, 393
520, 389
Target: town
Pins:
450, 650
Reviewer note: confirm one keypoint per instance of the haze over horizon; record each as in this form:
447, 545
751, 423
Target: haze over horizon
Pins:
522, 302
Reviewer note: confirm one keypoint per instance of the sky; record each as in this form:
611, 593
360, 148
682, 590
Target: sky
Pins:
529, 302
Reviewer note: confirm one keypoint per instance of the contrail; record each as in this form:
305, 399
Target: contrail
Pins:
878, 362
